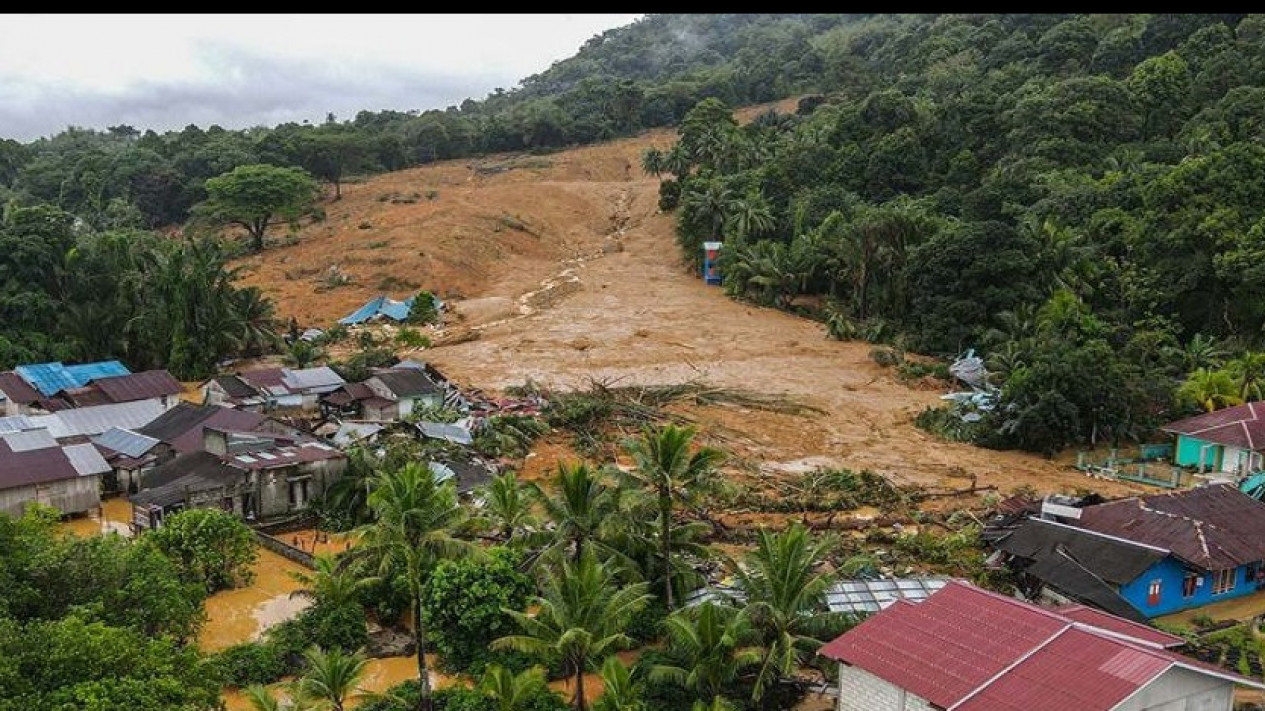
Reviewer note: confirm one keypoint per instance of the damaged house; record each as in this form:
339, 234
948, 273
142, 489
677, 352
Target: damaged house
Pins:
389, 395
1141, 557
254, 475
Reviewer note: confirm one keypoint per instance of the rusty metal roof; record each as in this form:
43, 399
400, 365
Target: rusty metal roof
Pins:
1210, 527
139, 386
1239, 426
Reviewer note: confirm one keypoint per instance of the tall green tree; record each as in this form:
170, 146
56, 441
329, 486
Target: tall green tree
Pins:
580, 618
412, 530
256, 197
672, 470
331, 678
211, 546
712, 645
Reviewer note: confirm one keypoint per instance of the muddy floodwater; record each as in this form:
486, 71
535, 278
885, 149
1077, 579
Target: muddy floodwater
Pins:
380, 675
115, 515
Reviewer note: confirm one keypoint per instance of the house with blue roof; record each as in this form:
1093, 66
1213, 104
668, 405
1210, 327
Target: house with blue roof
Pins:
381, 307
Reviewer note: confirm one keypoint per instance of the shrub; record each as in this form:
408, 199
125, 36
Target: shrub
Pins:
411, 338
464, 607
209, 545
248, 663
424, 309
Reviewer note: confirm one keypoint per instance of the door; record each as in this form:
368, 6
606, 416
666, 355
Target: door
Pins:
1153, 592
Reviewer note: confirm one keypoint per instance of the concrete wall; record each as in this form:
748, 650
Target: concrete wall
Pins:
1170, 575
1181, 690
70, 496
860, 690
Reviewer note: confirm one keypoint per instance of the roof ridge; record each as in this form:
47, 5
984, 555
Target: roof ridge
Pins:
1027, 607
1014, 663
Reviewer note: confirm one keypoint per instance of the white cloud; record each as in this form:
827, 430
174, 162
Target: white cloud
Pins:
167, 71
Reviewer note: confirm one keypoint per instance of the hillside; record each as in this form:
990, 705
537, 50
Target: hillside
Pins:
548, 304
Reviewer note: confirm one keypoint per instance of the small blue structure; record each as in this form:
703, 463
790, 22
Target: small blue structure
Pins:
711, 262
383, 307
52, 378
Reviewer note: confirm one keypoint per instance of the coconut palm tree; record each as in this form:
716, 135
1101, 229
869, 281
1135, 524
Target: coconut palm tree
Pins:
582, 508
261, 699
785, 591
512, 691
581, 614
508, 507
414, 516
331, 583
672, 470
331, 678
621, 688
713, 644
1248, 370
653, 162
1210, 389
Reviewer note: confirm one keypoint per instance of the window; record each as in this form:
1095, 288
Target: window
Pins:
1223, 580
1189, 583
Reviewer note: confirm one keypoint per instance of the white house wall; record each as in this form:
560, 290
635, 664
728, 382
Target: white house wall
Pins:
860, 690
1181, 690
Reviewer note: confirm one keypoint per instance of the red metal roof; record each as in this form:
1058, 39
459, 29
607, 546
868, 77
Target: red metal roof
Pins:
1075, 669
1238, 426
968, 649
948, 645
139, 386
1111, 623
1210, 527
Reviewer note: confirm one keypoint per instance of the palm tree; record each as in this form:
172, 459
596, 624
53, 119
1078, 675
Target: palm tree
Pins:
1210, 389
256, 317
512, 691
749, 215
331, 583
581, 614
302, 354
785, 601
1199, 352
508, 505
1248, 370
411, 532
261, 699
666, 467
621, 689
714, 645
583, 509
331, 677
653, 161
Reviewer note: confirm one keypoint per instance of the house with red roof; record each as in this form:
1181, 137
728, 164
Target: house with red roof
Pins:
1230, 440
1143, 557
968, 649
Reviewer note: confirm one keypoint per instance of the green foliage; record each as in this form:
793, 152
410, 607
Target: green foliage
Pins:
425, 309
357, 367
509, 435
210, 546
256, 197
248, 663
412, 338
465, 606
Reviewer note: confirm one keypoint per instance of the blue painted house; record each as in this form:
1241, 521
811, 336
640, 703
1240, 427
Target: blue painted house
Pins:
1144, 557
1230, 440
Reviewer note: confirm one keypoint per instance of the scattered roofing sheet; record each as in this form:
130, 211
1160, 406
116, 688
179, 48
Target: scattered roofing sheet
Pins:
351, 432
132, 444
454, 433
139, 386
865, 596
1210, 527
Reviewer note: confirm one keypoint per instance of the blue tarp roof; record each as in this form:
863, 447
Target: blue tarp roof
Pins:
1254, 486
52, 378
382, 306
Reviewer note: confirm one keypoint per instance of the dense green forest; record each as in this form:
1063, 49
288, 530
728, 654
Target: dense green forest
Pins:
1076, 197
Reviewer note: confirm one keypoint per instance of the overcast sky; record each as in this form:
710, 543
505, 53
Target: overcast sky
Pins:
164, 72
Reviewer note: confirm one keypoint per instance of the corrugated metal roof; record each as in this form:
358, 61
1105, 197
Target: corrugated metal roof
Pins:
52, 378
18, 390
86, 459
139, 386
1210, 527
15, 423
319, 379
407, 382
28, 440
1111, 623
865, 596
442, 472
968, 649
133, 444
37, 466
352, 432
91, 421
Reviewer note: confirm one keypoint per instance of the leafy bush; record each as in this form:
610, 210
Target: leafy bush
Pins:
424, 310
209, 545
464, 605
412, 338
403, 697
248, 663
